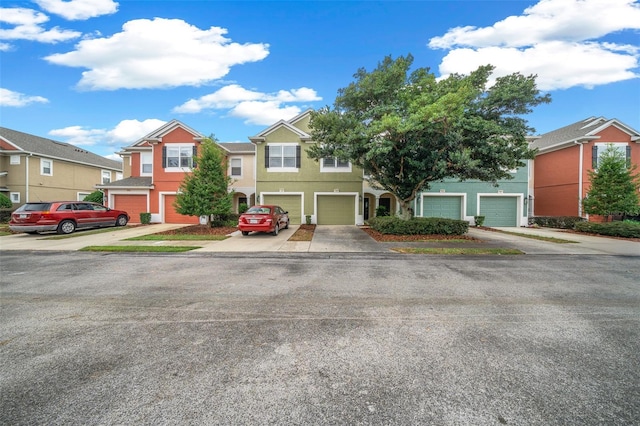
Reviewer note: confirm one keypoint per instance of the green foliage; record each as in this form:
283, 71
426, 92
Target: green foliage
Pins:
307, 219
562, 222
145, 218
382, 211
624, 229
205, 191
408, 130
614, 186
95, 197
479, 220
243, 207
5, 202
419, 226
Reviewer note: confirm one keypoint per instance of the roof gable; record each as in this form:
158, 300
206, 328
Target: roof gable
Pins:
285, 124
165, 129
57, 150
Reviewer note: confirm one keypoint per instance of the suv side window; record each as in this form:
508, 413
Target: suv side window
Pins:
64, 207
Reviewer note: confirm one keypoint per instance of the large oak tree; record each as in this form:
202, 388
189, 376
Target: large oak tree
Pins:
409, 129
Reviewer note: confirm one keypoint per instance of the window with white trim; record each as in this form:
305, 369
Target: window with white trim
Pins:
119, 175
332, 164
46, 167
15, 197
14, 160
599, 148
106, 177
178, 157
282, 157
146, 163
235, 167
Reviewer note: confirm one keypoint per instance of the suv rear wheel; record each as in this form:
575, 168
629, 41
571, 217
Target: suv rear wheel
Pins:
66, 227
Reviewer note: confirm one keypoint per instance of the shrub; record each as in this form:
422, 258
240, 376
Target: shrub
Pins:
479, 220
419, 226
5, 202
562, 222
222, 220
307, 219
243, 207
381, 211
94, 197
145, 218
613, 229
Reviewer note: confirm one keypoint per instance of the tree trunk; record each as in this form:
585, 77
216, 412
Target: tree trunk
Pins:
406, 211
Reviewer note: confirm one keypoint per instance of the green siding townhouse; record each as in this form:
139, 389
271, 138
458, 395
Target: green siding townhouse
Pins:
329, 191
507, 204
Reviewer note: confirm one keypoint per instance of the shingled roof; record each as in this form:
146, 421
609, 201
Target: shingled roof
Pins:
238, 147
130, 183
580, 131
58, 150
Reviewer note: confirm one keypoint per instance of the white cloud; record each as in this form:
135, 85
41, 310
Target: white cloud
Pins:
252, 106
555, 39
74, 10
158, 53
124, 133
27, 25
9, 98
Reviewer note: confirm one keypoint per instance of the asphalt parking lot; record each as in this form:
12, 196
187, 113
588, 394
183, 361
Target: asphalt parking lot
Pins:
318, 338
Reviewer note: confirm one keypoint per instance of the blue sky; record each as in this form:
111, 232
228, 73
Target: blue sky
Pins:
101, 73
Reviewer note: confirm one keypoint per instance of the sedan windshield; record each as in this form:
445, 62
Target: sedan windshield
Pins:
259, 210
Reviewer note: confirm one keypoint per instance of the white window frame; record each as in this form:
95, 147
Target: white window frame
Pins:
15, 197
105, 174
620, 146
144, 157
119, 175
180, 147
14, 160
231, 167
336, 167
282, 167
42, 167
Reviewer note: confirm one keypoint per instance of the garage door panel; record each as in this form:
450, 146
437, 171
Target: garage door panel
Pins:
172, 216
449, 207
336, 210
132, 204
499, 211
290, 203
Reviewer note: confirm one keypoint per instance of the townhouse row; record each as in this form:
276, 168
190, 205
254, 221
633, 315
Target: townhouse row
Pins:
273, 168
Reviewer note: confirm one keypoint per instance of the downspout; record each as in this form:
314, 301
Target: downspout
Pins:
580, 166
26, 180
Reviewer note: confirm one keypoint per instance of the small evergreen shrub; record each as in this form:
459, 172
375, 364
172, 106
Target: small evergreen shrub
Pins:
419, 226
479, 220
243, 207
5, 202
308, 219
381, 211
145, 218
224, 220
562, 222
626, 229
95, 197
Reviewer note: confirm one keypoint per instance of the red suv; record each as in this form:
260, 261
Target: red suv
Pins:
64, 217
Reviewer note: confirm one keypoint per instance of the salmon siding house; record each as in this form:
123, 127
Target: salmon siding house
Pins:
565, 157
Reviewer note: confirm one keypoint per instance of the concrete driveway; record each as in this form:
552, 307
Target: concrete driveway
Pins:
331, 239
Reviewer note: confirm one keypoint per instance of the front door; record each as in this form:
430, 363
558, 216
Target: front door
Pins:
366, 208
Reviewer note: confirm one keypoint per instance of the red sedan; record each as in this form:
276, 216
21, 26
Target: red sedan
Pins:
263, 219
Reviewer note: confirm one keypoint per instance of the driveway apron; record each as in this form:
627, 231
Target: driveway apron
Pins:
343, 238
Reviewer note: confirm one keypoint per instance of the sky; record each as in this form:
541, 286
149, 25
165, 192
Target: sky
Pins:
101, 74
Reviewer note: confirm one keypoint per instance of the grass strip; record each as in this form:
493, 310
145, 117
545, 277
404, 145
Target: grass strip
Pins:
458, 251
140, 249
178, 237
537, 237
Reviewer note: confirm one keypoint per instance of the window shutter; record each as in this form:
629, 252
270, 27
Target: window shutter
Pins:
628, 155
266, 156
594, 157
298, 156
195, 154
164, 157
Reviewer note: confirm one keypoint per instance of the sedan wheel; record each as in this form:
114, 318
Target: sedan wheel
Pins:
121, 221
276, 229
245, 233
66, 227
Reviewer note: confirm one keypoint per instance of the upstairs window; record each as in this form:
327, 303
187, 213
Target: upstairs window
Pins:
235, 164
146, 163
282, 157
14, 160
46, 167
106, 177
599, 148
332, 164
178, 157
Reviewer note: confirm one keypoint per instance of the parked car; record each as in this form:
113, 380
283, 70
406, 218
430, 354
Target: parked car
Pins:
263, 219
64, 217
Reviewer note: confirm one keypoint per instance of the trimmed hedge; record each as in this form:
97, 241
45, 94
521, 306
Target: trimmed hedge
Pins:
613, 229
419, 226
562, 222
